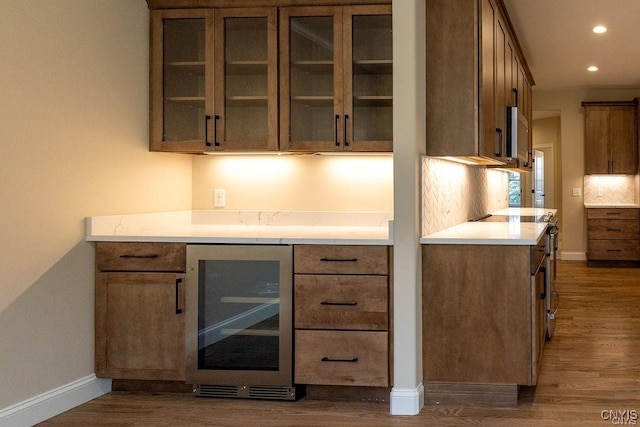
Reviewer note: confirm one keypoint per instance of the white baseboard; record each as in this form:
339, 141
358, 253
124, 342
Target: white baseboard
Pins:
54, 402
573, 256
407, 401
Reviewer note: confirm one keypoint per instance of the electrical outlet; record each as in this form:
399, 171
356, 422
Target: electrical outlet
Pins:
600, 192
219, 198
576, 192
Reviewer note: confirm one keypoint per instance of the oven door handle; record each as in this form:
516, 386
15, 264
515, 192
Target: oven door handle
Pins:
552, 314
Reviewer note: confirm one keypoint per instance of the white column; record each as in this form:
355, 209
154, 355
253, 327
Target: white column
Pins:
409, 136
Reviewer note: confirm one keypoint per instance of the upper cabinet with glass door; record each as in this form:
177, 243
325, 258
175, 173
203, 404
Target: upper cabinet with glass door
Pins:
336, 79
214, 80
181, 79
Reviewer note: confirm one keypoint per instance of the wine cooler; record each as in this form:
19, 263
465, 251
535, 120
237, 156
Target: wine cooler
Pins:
239, 321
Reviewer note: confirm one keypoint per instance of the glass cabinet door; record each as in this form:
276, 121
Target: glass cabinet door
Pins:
368, 78
246, 79
181, 85
311, 99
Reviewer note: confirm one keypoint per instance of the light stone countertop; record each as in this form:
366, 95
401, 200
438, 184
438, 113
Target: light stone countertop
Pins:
512, 232
245, 227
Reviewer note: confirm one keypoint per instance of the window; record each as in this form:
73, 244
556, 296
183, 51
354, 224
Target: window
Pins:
515, 190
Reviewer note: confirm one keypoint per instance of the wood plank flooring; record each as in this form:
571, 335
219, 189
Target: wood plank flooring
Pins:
591, 365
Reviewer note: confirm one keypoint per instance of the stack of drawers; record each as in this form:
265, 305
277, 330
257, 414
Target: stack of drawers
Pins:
613, 234
341, 298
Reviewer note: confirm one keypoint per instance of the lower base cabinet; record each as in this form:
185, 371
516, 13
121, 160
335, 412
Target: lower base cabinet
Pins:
139, 315
613, 236
342, 358
341, 316
483, 315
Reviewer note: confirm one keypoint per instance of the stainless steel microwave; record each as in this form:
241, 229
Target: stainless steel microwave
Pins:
517, 135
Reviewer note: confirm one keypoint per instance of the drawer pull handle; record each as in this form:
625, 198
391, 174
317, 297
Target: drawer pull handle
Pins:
178, 305
339, 259
328, 359
613, 213
614, 250
149, 256
339, 303
614, 229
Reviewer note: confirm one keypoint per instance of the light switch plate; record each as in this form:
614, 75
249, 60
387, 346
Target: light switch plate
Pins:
575, 192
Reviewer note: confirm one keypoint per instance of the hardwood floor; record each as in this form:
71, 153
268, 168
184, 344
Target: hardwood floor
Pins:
591, 365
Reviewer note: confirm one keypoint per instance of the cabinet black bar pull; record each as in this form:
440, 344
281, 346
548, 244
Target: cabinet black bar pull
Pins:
499, 152
339, 259
339, 303
613, 213
328, 359
614, 250
345, 140
614, 229
515, 96
148, 256
178, 283
335, 130
215, 130
207, 118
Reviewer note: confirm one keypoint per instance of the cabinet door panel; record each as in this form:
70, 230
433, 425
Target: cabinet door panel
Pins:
181, 79
368, 77
311, 82
246, 79
490, 138
623, 146
596, 140
140, 326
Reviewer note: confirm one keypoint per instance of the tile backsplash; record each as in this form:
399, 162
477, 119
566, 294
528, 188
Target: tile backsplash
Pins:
453, 193
609, 189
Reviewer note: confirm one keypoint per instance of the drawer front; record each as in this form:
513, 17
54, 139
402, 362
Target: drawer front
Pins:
626, 213
341, 302
134, 256
342, 358
321, 259
621, 250
610, 229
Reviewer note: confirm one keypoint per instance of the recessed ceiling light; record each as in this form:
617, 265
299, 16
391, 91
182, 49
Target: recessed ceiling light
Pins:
592, 68
599, 29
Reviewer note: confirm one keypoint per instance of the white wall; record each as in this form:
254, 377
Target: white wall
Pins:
573, 227
74, 127
272, 182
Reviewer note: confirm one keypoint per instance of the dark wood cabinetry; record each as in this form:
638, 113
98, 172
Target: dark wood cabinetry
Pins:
474, 70
214, 80
611, 144
341, 299
336, 71
483, 318
613, 236
214, 77
139, 311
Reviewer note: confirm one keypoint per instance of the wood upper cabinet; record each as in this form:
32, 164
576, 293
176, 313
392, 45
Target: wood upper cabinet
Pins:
214, 80
139, 311
610, 137
336, 78
472, 58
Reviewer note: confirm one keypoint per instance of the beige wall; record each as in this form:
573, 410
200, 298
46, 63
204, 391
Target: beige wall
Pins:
572, 155
74, 121
272, 182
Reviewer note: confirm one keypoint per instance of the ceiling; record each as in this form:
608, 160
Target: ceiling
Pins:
558, 43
